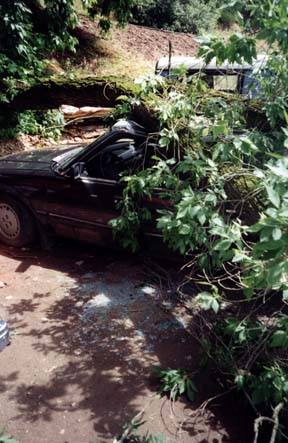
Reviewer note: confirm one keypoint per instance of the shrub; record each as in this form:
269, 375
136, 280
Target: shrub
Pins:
44, 123
177, 15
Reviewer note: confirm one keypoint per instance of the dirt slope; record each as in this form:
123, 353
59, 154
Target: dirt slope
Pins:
131, 51
150, 43
153, 43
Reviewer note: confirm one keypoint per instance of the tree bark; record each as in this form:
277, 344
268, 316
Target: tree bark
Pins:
88, 91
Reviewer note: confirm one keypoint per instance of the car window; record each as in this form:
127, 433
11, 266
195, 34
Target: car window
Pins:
220, 82
116, 158
225, 82
251, 84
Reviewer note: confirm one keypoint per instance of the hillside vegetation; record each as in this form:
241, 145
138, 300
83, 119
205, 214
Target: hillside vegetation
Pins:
193, 16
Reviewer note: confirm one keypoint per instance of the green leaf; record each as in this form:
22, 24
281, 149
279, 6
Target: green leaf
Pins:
240, 381
220, 129
215, 306
207, 301
194, 210
274, 273
276, 234
185, 230
273, 196
122, 98
6, 438
279, 339
280, 170
285, 387
285, 295
202, 218
164, 141
182, 212
248, 292
222, 245
238, 257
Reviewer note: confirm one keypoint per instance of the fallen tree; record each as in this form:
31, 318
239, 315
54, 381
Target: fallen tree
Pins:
83, 91
30, 30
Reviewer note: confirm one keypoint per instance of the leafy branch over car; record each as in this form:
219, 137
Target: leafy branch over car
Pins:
226, 175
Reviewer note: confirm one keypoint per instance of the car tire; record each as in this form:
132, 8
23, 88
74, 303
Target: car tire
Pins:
17, 225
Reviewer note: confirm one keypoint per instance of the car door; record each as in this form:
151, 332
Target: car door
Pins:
81, 207
97, 209
111, 192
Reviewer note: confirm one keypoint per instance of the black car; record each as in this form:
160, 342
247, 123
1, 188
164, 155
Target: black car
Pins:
71, 192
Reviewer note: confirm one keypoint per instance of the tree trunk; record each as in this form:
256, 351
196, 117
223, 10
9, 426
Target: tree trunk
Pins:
88, 91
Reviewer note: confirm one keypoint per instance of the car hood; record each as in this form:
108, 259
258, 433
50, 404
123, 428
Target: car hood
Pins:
36, 159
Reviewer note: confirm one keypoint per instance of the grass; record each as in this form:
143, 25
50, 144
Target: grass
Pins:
118, 62
102, 56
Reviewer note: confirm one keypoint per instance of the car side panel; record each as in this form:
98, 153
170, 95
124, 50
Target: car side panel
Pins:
29, 190
82, 209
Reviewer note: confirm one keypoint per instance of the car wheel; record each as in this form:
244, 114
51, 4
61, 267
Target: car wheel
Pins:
17, 225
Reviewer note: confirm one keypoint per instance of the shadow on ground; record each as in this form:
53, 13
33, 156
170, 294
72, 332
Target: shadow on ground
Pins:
87, 328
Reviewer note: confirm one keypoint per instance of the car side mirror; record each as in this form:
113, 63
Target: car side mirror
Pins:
77, 170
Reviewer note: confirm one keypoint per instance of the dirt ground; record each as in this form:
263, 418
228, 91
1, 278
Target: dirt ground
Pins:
149, 42
154, 43
130, 52
86, 328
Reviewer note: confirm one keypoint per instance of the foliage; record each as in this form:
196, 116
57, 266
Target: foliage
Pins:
44, 123
129, 436
224, 174
248, 354
177, 15
32, 29
175, 382
270, 386
209, 146
120, 9
208, 300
